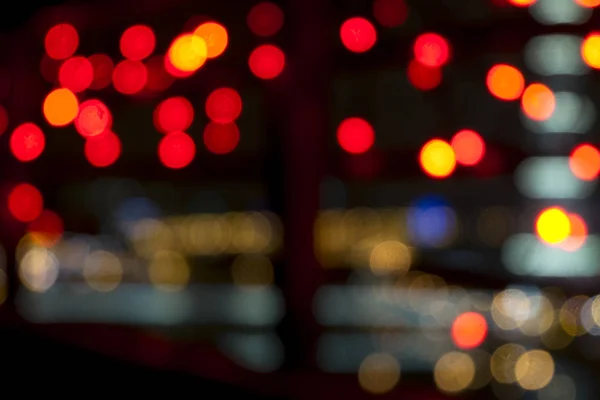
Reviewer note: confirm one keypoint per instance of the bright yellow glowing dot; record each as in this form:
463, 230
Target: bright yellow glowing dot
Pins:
437, 159
534, 369
188, 52
590, 50
553, 225
60, 107
215, 36
379, 373
503, 361
538, 102
454, 372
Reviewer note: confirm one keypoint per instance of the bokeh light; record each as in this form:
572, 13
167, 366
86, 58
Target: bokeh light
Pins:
578, 235
584, 162
266, 61
432, 50
93, 119
223, 105
215, 36
469, 330
265, 19
27, 142
588, 3
102, 66
102, 150
25, 202
553, 225
76, 74
590, 50
423, 77
176, 150
522, 3
188, 52
137, 42
174, 114
379, 373
468, 147
505, 82
437, 159
47, 229
221, 138
358, 34
61, 41
534, 370
355, 135
390, 13
129, 76
538, 102
60, 107
454, 372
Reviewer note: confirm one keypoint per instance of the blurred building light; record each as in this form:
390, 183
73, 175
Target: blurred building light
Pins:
555, 12
550, 178
525, 254
555, 55
573, 113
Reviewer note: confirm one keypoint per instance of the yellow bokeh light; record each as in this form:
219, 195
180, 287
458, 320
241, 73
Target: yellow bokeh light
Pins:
215, 36
379, 373
553, 225
390, 256
569, 315
60, 107
504, 360
38, 269
102, 271
188, 52
454, 372
510, 309
541, 317
437, 159
590, 50
169, 271
534, 369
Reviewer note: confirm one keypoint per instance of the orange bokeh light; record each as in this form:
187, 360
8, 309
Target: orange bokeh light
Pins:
47, 229
584, 162
221, 138
522, 3
432, 50
223, 105
76, 74
215, 36
103, 150
505, 82
174, 114
61, 41
578, 236
590, 50
358, 34
265, 19
137, 42
437, 159
27, 142
94, 118
60, 107
355, 135
468, 147
129, 76
588, 3
266, 61
538, 102
188, 52
102, 66
176, 150
469, 330
423, 77
25, 202
553, 226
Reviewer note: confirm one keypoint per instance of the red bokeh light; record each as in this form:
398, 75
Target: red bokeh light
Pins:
265, 19
129, 76
158, 77
76, 74
94, 118
469, 330
223, 105
61, 41
423, 77
355, 135
267, 61
468, 147
221, 138
358, 34
25, 202
103, 150
3, 119
47, 229
27, 142
390, 13
103, 66
174, 114
137, 42
432, 50
176, 150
